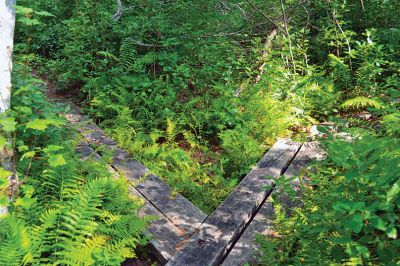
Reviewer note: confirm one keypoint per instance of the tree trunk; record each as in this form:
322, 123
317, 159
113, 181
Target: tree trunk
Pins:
7, 24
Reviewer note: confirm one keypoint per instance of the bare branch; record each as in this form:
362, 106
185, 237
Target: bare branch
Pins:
266, 50
266, 17
117, 16
285, 21
362, 5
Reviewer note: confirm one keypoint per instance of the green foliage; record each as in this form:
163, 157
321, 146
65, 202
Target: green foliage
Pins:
189, 172
189, 88
351, 209
64, 212
391, 123
361, 102
157, 67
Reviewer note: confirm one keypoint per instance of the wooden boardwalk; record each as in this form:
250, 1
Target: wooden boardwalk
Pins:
183, 235
176, 217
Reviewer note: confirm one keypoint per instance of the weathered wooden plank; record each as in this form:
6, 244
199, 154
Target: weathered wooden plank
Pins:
90, 131
180, 211
177, 208
165, 236
308, 152
220, 229
132, 169
245, 249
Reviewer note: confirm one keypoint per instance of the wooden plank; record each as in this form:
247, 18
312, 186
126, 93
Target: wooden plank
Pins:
309, 151
180, 211
132, 169
90, 131
220, 229
245, 249
165, 236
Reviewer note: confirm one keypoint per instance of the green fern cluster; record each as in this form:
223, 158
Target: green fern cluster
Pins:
127, 53
66, 212
201, 182
361, 102
64, 217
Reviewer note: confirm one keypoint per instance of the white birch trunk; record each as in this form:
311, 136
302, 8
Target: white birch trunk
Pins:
7, 24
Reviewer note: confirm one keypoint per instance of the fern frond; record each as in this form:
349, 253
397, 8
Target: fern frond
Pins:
340, 71
15, 241
170, 131
361, 102
127, 53
107, 55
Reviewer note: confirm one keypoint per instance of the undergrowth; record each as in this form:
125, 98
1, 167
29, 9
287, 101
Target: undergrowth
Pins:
60, 211
198, 91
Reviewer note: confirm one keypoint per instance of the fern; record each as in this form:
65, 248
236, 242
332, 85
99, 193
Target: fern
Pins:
361, 102
127, 54
107, 55
81, 220
170, 131
340, 72
15, 241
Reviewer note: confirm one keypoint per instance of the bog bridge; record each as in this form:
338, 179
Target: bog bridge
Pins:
182, 234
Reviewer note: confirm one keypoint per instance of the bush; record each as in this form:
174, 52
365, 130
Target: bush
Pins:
351, 209
65, 212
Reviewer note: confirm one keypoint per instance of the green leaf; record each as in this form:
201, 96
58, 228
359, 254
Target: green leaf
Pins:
391, 232
393, 191
42, 124
342, 206
23, 10
8, 124
57, 160
52, 148
29, 154
23, 89
28, 190
44, 14
378, 223
3, 183
24, 202
22, 148
29, 21
3, 200
3, 142
23, 109
4, 173
354, 223
38, 124
362, 102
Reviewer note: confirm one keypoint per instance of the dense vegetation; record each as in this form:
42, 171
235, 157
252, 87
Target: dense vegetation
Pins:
59, 211
61, 205
197, 91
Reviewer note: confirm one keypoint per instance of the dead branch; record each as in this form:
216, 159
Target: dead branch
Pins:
117, 16
266, 17
266, 50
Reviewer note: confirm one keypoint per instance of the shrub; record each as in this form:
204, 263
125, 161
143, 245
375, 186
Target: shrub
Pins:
351, 209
